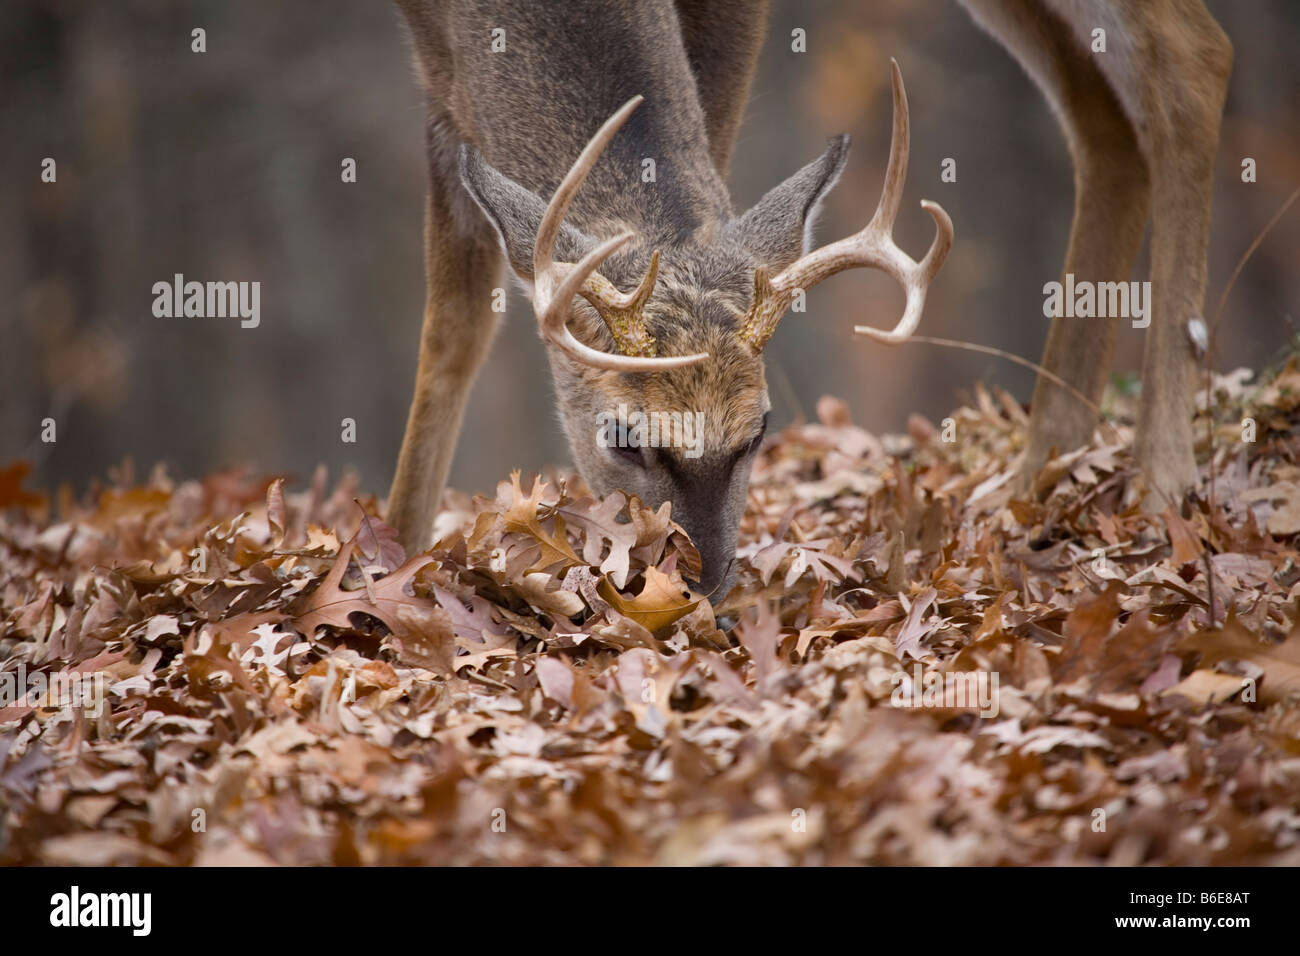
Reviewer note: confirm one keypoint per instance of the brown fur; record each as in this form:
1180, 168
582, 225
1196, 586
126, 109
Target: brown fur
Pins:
1142, 122
527, 113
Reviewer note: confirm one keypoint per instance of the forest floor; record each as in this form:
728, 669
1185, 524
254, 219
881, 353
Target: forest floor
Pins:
924, 668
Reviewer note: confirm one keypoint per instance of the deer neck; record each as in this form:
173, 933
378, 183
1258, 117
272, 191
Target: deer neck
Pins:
656, 178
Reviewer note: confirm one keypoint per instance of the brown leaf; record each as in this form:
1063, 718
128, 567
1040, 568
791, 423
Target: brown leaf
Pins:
275, 512
599, 520
12, 494
760, 634
522, 518
662, 600
908, 640
1232, 642
1206, 687
384, 599
567, 686
377, 543
425, 638
1186, 543
1086, 629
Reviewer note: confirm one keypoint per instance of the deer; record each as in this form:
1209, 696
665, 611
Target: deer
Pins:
539, 117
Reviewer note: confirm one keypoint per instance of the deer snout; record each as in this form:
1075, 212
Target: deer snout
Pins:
717, 577
713, 532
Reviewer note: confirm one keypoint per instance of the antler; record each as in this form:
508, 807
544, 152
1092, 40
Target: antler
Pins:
556, 283
873, 246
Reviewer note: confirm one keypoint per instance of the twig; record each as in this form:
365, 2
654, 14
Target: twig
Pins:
1033, 366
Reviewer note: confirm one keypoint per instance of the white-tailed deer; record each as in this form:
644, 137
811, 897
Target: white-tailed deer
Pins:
540, 117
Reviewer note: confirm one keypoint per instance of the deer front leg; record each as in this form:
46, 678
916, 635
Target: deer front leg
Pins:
1110, 211
1186, 95
1142, 118
1111, 199
461, 273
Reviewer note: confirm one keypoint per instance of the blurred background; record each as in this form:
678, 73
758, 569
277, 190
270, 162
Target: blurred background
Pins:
226, 165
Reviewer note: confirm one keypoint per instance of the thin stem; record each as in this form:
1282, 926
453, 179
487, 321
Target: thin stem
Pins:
1033, 366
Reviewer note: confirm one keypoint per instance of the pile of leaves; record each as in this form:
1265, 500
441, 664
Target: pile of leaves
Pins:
283, 684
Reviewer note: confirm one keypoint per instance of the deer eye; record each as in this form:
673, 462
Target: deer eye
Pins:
758, 439
630, 455
623, 449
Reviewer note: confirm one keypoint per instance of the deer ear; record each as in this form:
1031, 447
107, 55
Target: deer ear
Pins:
515, 212
778, 228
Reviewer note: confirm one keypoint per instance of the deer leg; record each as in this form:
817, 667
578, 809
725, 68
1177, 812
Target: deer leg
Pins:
1166, 65
1178, 105
1110, 211
461, 272
1111, 191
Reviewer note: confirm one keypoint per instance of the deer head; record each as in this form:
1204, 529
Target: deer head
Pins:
685, 341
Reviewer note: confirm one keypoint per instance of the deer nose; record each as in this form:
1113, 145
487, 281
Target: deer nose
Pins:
713, 526
717, 571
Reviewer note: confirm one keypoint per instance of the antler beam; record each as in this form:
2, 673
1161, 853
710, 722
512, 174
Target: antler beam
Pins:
872, 247
556, 283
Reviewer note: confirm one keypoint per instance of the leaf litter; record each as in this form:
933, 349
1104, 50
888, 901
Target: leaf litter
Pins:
284, 685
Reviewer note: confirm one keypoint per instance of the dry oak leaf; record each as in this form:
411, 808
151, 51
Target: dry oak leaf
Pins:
1204, 686
116, 505
522, 518
760, 635
599, 519
816, 556
1184, 539
377, 543
1284, 496
914, 630
426, 638
1086, 629
385, 598
567, 686
1279, 662
644, 536
661, 602
11, 487
535, 587
276, 513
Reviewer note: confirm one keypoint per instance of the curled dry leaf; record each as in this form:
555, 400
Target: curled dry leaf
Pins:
663, 600
544, 658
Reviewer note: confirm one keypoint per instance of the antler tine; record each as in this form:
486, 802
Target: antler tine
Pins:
558, 207
553, 317
916, 279
637, 298
874, 246
900, 151
556, 284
